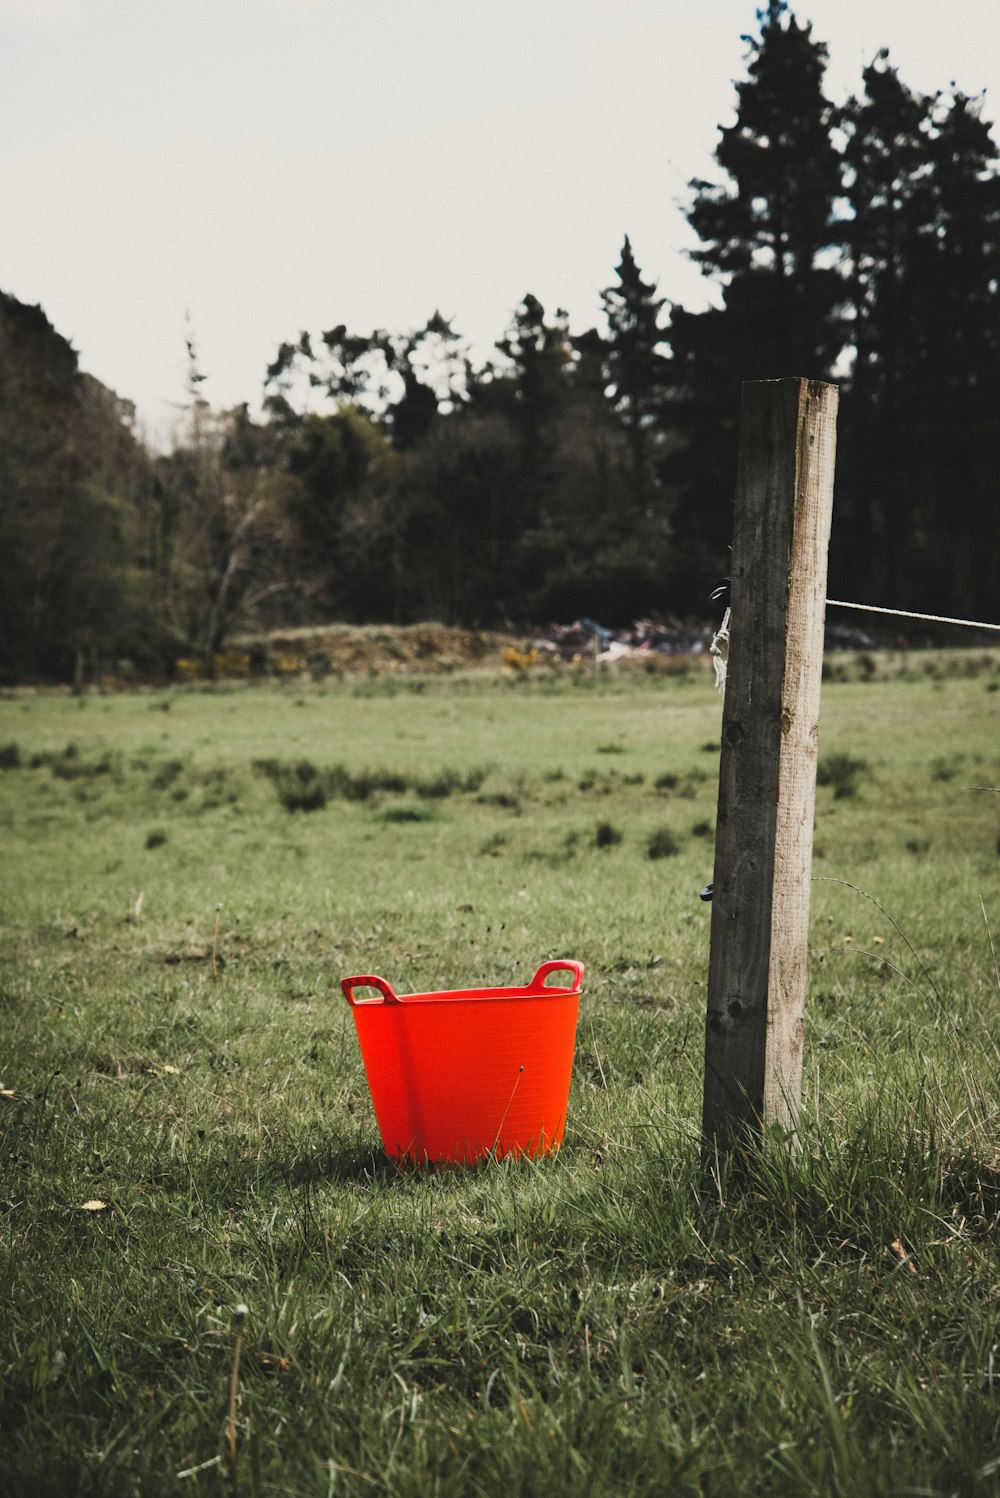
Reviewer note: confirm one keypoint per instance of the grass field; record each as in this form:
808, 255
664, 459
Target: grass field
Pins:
175, 1141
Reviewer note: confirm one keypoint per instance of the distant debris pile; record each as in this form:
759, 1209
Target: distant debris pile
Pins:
645, 637
662, 635
846, 637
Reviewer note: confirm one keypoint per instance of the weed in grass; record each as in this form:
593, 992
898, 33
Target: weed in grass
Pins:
156, 838
436, 787
219, 788
69, 765
703, 829
603, 785
365, 784
946, 767
167, 774
304, 787
506, 800
240, 1313
606, 835
405, 813
10, 756
446, 781
663, 843
667, 782
843, 772
299, 787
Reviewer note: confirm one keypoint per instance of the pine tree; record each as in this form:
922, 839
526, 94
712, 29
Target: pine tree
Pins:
635, 367
767, 231
768, 235
917, 494
962, 312
540, 355
887, 188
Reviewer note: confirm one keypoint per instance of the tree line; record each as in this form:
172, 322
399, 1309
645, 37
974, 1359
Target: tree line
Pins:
393, 477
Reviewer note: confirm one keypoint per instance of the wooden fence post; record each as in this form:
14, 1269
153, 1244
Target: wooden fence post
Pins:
767, 773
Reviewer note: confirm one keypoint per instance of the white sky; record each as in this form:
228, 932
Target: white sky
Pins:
274, 165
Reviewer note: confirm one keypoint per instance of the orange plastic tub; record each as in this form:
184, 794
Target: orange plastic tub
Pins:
474, 1072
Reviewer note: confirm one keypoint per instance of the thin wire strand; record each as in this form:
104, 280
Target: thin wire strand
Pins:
872, 608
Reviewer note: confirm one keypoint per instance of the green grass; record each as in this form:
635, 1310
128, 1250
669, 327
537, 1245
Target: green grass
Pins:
602, 1322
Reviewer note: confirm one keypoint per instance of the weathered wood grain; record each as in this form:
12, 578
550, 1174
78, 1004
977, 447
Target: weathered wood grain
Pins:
767, 777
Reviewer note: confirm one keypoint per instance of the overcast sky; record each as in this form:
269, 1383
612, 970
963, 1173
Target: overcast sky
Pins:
267, 166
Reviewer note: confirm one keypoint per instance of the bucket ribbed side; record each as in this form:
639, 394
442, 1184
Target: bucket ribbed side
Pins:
457, 1080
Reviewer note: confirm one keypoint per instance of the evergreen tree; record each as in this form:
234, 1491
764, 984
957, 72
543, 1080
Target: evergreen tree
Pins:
533, 394
540, 355
962, 312
767, 230
635, 367
917, 489
766, 236
879, 501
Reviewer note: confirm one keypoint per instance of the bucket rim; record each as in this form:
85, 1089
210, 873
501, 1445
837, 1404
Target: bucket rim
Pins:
536, 989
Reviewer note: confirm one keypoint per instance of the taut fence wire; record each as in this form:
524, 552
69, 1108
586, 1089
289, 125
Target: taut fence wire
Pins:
873, 608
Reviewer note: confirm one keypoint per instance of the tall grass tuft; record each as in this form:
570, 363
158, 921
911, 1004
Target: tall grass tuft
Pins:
843, 772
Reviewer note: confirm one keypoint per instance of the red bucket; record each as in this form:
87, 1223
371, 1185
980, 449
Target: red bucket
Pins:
474, 1072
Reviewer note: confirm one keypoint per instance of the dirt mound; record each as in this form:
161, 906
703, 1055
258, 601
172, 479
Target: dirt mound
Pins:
343, 649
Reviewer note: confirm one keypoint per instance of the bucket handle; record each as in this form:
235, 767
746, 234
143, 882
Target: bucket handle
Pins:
558, 965
389, 995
